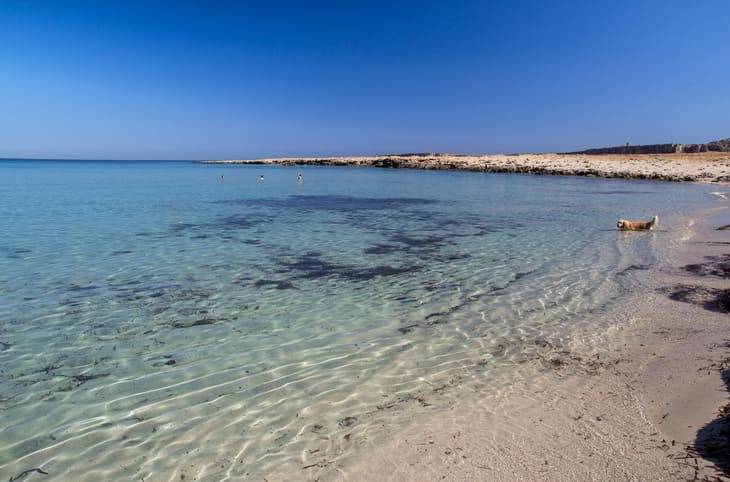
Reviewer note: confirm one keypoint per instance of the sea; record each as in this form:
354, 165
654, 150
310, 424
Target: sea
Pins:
183, 321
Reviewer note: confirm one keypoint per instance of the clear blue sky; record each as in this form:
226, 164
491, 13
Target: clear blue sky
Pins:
191, 80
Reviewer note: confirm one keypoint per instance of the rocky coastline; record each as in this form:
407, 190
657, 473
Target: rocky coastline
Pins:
707, 167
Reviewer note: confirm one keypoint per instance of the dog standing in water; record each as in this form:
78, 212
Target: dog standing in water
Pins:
625, 225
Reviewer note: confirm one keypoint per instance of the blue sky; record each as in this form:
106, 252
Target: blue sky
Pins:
197, 80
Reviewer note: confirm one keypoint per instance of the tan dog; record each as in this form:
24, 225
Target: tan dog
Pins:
625, 225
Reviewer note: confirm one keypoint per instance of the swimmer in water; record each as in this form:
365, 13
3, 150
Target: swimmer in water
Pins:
221, 177
300, 178
261, 178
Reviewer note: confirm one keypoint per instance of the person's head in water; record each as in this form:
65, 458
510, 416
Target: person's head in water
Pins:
261, 178
300, 177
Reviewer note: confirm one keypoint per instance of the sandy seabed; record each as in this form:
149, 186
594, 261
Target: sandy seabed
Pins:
645, 401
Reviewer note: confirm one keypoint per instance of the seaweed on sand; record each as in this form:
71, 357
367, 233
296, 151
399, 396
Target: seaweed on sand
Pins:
713, 440
712, 299
715, 266
26, 472
633, 267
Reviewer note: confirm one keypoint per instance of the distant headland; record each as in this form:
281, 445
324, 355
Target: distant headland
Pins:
723, 145
708, 162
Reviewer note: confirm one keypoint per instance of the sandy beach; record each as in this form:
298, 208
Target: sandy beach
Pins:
647, 402
699, 167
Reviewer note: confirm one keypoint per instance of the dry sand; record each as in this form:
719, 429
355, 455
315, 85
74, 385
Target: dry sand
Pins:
643, 404
700, 167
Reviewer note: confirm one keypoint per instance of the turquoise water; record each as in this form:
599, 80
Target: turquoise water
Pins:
159, 322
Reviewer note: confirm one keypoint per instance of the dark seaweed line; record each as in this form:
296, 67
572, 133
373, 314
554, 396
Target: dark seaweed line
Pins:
442, 315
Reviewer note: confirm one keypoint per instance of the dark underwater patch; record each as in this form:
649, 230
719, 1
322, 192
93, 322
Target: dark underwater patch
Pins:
311, 266
437, 218
160, 293
83, 377
407, 329
278, 284
383, 249
482, 229
441, 314
431, 241
364, 274
423, 246
440, 317
223, 225
87, 288
442, 258
177, 227
485, 229
14, 253
237, 221
331, 203
499, 290
190, 324
519, 276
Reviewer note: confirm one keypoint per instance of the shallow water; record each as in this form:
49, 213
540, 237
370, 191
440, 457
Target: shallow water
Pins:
157, 322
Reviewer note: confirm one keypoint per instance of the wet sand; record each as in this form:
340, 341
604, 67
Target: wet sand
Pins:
698, 167
644, 403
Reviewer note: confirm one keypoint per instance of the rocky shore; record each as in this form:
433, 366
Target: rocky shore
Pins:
696, 167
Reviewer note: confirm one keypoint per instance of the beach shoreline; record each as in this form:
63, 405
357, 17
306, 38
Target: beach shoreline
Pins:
706, 167
644, 404
396, 400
